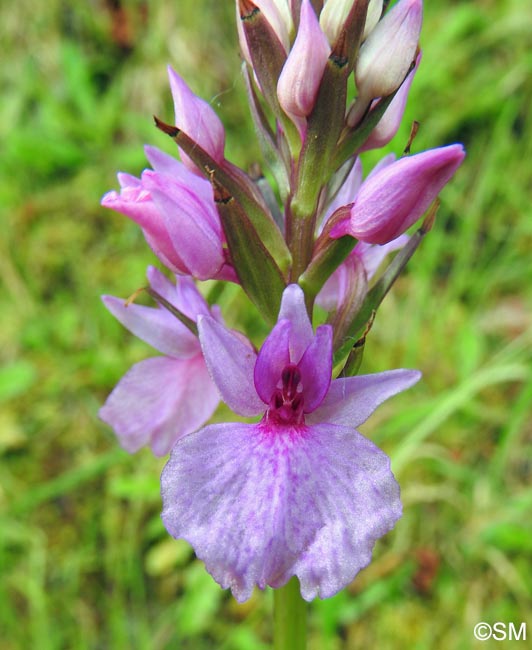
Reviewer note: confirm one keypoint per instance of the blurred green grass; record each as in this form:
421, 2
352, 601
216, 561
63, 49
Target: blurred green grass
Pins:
84, 559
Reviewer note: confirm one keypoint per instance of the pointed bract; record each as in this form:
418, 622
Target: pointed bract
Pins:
278, 18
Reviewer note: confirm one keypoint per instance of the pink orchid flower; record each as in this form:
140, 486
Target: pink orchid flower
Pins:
299, 492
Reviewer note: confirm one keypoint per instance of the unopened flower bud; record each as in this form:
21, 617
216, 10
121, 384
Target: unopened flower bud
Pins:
389, 123
283, 7
302, 73
335, 12
395, 197
197, 119
389, 50
372, 17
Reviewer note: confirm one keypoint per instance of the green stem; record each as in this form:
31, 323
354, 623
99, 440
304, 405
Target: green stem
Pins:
301, 244
289, 617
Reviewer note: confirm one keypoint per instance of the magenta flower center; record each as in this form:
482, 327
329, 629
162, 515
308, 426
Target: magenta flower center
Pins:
286, 402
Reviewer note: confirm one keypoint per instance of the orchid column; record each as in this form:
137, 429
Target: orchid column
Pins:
295, 497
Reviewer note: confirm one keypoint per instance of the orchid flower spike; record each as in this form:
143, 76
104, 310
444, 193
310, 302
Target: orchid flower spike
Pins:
299, 492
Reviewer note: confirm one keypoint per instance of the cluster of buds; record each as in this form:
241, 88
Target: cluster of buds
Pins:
247, 496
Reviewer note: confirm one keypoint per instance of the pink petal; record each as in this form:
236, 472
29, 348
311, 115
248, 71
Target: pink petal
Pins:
158, 401
316, 368
127, 181
136, 203
231, 362
395, 197
349, 279
197, 119
165, 164
347, 192
191, 225
156, 326
273, 357
162, 285
351, 400
293, 309
372, 255
385, 161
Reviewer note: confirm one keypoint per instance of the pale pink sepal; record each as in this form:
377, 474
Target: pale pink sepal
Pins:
156, 326
351, 400
158, 401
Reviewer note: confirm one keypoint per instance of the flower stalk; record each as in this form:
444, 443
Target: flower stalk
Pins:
289, 617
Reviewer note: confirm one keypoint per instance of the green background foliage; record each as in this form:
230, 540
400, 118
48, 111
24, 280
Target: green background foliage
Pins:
84, 560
